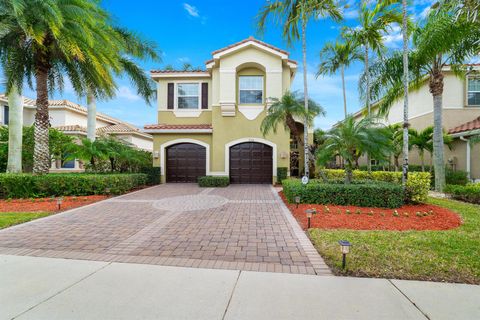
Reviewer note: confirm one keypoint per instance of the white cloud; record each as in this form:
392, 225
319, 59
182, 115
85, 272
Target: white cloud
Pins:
126, 93
394, 37
191, 10
351, 10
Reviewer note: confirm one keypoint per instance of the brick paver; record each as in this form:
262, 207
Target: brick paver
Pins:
243, 227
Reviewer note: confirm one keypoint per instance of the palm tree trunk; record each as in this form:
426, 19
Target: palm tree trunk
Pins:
91, 116
305, 98
422, 160
344, 91
348, 171
406, 124
41, 154
367, 98
436, 88
15, 131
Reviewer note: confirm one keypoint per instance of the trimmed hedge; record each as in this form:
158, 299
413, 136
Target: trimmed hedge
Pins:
418, 183
468, 193
281, 174
362, 194
213, 181
70, 184
153, 174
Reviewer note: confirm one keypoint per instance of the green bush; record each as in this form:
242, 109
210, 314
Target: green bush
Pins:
153, 174
363, 194
281, 174
457, 177
417, 186
468, 193
213, 181
70, 184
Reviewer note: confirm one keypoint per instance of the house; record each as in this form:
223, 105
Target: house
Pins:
209, 121
461, 119
71, 119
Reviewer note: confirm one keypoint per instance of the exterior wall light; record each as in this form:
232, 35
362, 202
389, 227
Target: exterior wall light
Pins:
59, 202
345, 249
297, 200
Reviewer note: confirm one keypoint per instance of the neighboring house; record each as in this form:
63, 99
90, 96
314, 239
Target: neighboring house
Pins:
461, 119
209, 121
71, 119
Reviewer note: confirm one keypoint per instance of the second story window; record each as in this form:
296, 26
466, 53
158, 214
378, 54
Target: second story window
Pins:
251, 89
188, 96
473, 94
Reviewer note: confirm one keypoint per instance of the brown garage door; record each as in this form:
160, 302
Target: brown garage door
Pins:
251, 162
185, 162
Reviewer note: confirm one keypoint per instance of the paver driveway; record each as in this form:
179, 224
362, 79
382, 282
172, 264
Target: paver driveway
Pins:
243, 227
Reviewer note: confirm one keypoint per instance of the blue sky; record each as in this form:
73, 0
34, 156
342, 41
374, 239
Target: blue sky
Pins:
188, 31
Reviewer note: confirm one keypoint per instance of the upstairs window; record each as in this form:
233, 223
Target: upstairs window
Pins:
473, 94
251, 89
6, 115
188, 96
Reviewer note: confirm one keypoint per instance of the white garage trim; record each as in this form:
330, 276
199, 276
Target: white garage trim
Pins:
177, 141
258, 140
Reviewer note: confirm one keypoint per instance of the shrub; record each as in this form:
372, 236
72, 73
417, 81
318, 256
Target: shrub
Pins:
70, 184
153, 174
213, 181
363, 194
281, 174
457, 177
468, 193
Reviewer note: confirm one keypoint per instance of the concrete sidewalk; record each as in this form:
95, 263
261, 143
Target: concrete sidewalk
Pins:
48, 288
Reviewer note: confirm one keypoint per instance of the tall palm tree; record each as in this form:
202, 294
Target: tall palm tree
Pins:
422, 141
374, 24
15, 130
284, 111
293, 16
443, 41
406, 125
349, 138
72, 38
335, 56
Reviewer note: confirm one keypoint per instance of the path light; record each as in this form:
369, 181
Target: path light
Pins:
59, 202
309, 213
107, 191
297, 200
344, 248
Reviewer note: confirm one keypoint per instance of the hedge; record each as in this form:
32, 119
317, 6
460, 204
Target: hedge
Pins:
468, 193
213, 181
281, 174
362, 194
70, 184
418, 183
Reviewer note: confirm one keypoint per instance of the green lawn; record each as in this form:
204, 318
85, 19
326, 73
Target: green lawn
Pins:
452, 255
8, 219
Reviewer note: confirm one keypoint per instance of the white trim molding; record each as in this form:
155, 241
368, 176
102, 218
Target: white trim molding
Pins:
247, 44
156, 75
177, 141
251, 139
179, 130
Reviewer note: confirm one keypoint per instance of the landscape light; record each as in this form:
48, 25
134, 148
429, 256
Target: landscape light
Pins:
107, 191
345, 249
297, 200
59, 202
309, 213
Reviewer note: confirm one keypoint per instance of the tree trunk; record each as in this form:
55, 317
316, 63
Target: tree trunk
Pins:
41, 154
112, 164
422, 160
436, 88
15, 131
348, 171
344, 91
305, 98
406, 124
367, 98
91, 116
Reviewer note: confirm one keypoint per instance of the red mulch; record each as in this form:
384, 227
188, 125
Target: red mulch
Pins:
47, 204
410, 217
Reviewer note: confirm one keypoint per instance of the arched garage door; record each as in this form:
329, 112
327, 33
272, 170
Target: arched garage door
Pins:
251, 162
185, 162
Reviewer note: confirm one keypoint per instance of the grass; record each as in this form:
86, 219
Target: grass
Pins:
8, 219
452, 256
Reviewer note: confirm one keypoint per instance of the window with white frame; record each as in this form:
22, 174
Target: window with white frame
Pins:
473, 94
188, 96
251, 89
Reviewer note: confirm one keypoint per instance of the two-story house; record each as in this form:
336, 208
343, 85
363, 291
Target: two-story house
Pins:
461, 119
209, 121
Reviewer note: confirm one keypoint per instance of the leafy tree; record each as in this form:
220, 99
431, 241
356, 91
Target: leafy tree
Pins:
91, 151
395, 133
293, 16
350, 138
422, 141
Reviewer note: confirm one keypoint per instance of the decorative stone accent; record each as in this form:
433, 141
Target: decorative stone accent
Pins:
228, 109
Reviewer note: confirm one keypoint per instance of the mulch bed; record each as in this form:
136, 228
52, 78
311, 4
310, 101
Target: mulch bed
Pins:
408, 217
47, 204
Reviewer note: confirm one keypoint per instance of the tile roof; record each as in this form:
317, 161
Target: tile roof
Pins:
72, 128
178, 71
247, 40
26, 101
468, 126
177, 126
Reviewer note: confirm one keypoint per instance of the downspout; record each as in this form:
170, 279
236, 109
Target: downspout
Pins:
468, 156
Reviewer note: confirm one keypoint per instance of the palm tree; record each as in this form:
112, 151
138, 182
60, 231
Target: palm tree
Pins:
395, 133
72, 38
406, 125
422, 141
293, 16
338, 56
15, 130
443, 41
91, 151
349, 138
284, 111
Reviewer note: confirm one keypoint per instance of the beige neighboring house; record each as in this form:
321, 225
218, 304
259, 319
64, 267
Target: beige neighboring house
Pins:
461, 119
209, 121
71, 119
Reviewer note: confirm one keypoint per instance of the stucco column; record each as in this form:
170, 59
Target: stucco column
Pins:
273, 82
228, 97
